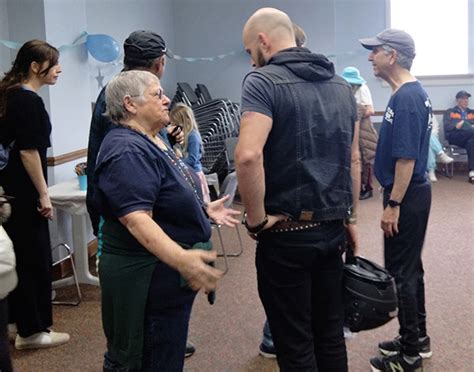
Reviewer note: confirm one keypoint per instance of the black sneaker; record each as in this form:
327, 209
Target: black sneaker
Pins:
267, 351
190, 349
396, 363
394, 346
367, 194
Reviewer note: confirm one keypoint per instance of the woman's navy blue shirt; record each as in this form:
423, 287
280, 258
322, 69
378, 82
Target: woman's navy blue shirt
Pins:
133, 174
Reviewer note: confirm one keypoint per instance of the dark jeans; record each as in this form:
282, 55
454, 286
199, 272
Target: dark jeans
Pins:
166, 324
5, 360
464, 138
164, 344
300, 284
366, 177
267, 338
403, 261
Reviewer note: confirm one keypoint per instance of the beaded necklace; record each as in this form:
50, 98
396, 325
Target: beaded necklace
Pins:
177, 162
183, 170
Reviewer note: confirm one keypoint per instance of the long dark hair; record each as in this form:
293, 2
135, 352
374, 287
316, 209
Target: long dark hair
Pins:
32, 51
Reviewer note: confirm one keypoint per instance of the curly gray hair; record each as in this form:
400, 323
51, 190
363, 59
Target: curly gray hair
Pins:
128, 83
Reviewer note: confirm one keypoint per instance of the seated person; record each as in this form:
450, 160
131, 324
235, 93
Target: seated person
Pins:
459, 128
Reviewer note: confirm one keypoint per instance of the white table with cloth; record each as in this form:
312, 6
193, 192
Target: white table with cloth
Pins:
68, 197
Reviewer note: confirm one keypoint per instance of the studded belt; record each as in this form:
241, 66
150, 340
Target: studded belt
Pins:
285, 226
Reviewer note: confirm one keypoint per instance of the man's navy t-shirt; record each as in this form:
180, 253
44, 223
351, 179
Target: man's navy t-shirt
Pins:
405, 133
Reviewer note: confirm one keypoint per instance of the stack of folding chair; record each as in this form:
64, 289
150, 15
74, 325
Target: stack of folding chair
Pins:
217, 119
202, 93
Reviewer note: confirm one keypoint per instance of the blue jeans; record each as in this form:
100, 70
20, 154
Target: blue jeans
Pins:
435, 149
300, 284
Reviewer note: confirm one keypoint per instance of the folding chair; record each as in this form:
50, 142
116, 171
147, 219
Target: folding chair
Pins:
76, 282
229, 187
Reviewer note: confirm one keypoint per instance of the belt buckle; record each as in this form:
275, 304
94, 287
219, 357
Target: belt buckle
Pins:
306, 216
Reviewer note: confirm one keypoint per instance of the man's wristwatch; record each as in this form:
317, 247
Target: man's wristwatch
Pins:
393, 203
257, 228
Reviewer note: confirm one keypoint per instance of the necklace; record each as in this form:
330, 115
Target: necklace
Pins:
178, 163
183, 170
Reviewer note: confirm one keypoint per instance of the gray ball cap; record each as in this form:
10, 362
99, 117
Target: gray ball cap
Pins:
397, 39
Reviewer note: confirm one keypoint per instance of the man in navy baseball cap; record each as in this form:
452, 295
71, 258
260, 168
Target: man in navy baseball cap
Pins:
463, 94
141, 48
459, 128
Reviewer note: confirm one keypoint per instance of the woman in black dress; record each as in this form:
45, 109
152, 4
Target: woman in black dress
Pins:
23, 119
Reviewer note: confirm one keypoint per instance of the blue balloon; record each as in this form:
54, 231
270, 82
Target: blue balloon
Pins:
103, 48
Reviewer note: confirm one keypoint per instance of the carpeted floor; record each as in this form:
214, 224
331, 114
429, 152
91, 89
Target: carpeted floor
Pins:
228, 333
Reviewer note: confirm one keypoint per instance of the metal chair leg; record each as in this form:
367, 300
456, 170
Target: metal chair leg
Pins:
74, 274
450, 168
241, 249
223, 249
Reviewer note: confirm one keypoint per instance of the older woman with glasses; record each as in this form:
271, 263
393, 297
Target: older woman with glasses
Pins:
155, 234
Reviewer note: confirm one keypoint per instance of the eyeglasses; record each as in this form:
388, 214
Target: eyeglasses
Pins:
158, 94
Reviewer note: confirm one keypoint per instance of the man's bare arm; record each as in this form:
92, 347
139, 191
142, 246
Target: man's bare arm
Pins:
355, 168
254, 130
403, 173
355, 176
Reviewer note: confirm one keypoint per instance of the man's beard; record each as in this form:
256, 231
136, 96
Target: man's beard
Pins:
260, 59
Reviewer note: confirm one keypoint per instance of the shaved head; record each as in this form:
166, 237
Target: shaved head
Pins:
273, 25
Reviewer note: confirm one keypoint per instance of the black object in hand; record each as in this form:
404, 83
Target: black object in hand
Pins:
172, 136
211, 296
177, 129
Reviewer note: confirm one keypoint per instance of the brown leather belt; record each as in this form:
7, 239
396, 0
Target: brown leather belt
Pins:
285, 226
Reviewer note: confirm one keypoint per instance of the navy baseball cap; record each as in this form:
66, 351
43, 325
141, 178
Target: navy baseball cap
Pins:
462, 94
143, 45
399, 40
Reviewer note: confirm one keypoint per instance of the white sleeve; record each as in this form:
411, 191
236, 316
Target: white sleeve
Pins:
365, 96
